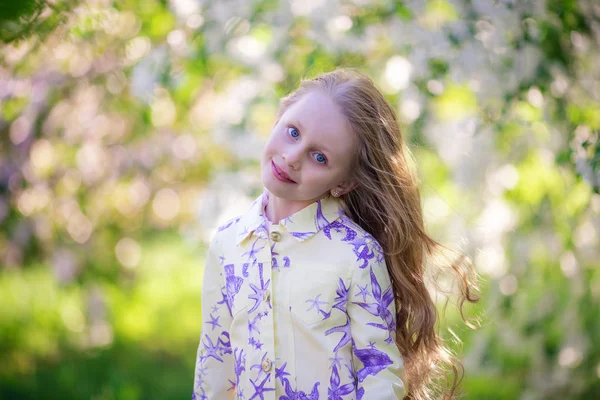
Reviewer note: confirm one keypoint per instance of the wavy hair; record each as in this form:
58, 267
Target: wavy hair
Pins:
386, 203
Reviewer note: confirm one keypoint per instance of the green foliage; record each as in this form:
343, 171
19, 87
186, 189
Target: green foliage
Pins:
26, 18
119, 122
56, 346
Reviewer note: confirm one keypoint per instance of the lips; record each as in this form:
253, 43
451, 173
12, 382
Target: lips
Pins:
281, 173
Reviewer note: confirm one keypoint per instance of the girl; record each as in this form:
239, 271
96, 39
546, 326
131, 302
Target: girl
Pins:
318, 290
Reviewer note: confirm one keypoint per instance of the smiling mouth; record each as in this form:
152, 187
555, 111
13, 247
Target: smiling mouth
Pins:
279, 174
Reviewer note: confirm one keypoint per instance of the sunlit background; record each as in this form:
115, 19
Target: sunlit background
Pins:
131, 129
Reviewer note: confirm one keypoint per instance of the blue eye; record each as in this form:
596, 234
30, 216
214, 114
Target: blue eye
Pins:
292, 129
320, 158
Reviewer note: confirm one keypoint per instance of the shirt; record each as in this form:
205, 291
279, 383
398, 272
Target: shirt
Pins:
301, 309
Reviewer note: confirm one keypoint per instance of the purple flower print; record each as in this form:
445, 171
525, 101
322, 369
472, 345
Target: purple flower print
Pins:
259, 367
362, 291
360, 393
288, 220
244, 232
362, 251
202, 396
201, 368
256, 343
351, 372
335, 391
212, 350
276, 266
225, 299
225, 343
233, 283
302, 235
262, 230
227, 224
339, 227
336, 361
373, 361
259, 292
239, 363
291, 394
342, 296
252, 327
273, 252
345, 330
377, 249
251, 254
380, 307
320, 220
214, 321
280, 373
201, 373
316, 303
259, 389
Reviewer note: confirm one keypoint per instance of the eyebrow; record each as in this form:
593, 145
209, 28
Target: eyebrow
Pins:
299, 125
297, 122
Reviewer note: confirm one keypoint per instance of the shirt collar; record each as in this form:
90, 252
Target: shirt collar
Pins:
302, 225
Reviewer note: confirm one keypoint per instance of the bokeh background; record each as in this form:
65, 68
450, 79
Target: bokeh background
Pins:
130, 129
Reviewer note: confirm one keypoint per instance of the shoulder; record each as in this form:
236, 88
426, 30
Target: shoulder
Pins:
366, 248
360, 233
224, 234
226, 231
230, 224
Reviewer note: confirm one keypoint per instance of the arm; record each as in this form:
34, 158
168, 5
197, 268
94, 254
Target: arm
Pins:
378, 365
214, 373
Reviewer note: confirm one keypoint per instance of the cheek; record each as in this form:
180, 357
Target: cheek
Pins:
317, 174
331, 177
273, 144
270, 147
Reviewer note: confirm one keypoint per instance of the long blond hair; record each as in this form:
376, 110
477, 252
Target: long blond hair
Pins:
387, 204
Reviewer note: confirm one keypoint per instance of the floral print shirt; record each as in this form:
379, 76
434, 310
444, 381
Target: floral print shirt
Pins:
302, 309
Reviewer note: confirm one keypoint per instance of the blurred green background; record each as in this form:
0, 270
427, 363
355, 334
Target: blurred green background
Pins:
131, 129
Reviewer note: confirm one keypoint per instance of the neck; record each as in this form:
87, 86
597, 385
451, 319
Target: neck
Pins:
279, 208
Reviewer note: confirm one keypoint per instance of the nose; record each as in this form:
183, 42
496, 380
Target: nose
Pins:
292, 159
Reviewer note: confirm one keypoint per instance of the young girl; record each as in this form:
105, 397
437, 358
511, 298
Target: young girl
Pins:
318, 290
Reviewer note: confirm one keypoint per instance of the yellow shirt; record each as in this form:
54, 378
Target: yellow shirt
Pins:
302, 309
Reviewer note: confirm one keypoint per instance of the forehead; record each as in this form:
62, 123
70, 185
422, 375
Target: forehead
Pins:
322, 122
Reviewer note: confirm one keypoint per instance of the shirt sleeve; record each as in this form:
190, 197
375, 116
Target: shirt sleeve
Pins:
378, 365
214, 376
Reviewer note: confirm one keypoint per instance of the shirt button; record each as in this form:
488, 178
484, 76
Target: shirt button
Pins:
266, 365
267, 296
275, 236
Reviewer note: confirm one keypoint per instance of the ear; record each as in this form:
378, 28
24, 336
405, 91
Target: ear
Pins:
346, 187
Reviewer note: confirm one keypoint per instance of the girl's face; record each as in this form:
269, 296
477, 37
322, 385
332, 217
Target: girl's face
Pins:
309, 151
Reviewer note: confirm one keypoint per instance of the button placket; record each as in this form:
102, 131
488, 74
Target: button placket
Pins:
265, 323
275, 236
267, 365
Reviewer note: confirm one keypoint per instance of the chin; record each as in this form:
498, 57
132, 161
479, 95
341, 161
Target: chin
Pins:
282, 193
276, 190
